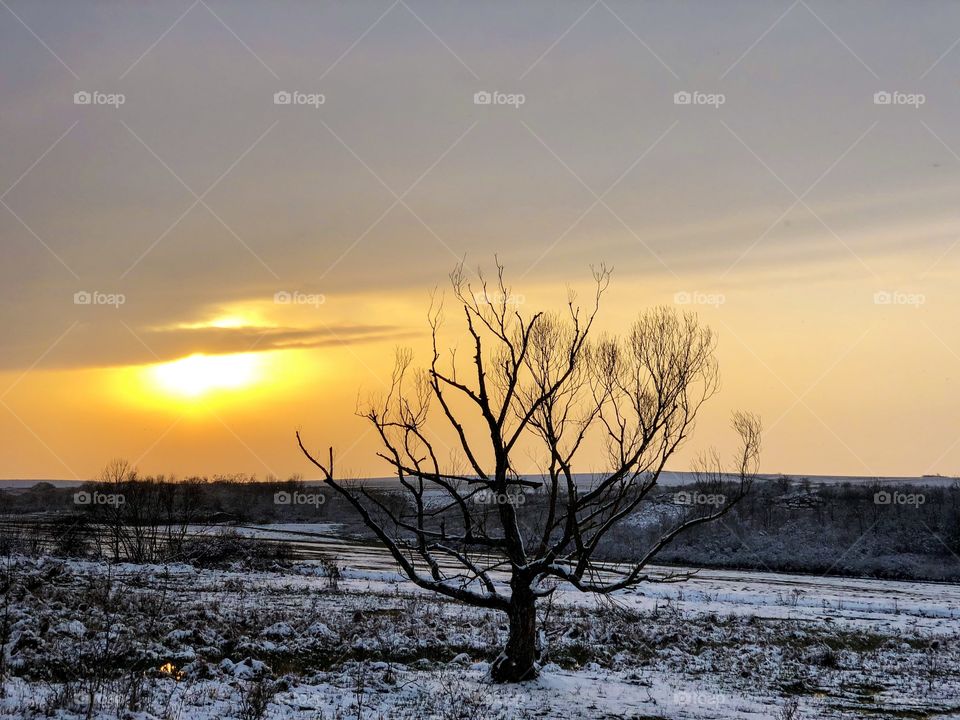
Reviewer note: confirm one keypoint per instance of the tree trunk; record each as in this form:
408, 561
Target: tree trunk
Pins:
518, 661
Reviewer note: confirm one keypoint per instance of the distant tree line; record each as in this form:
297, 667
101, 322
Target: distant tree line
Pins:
126, 516
789, 525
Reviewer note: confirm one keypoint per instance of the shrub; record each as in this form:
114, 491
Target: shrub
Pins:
229, 546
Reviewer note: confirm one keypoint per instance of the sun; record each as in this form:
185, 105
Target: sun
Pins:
199, 375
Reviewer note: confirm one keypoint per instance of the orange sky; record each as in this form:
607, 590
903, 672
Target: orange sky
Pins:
813, 226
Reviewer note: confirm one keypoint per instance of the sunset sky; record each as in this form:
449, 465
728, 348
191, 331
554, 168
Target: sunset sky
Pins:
811, 223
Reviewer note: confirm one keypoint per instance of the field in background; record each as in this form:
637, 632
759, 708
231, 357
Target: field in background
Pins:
863, 529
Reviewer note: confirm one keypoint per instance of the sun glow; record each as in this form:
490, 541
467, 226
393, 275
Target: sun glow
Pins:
198, 375
232, 320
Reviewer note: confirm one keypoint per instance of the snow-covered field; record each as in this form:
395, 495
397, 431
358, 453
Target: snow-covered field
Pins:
287, 642
853, 602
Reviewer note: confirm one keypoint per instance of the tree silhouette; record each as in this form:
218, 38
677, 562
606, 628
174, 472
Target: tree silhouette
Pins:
473, 527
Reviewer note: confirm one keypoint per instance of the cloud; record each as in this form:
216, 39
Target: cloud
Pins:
169, 343
119, 344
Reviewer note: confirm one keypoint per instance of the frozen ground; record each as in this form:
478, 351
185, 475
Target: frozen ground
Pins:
286, 642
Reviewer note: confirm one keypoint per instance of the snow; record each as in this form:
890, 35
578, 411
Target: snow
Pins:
855, 602
210, 644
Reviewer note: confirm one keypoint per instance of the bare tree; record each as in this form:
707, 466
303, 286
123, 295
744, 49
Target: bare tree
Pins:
114, 477
474, 528
147, 518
